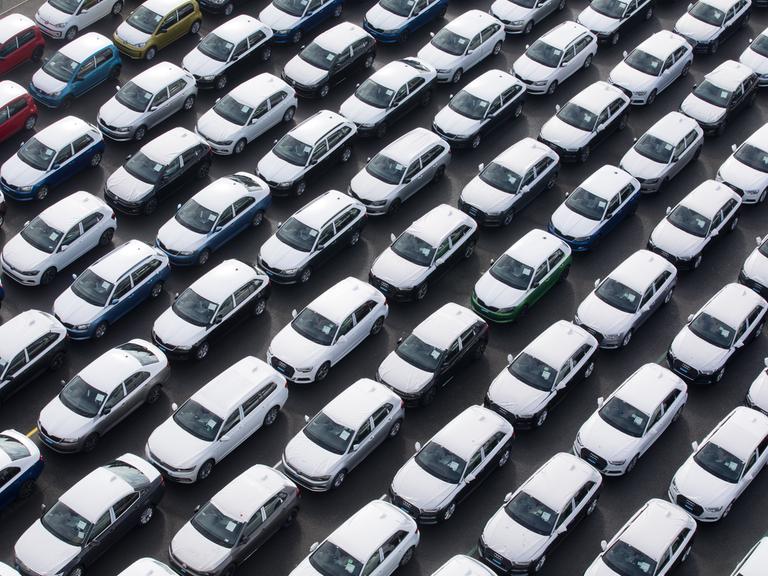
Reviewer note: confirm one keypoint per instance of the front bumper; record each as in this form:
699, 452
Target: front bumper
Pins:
679, 263
532, 87
17, 193
301, 89
482, 218
214, 7
455, 140
519, 422
50, 31
290, 372
494, 314
130, 50
689, 373
694, 509
648, 186
565, 154
384, 36
174, 352
582, 244
46, 99
171, 473
115, 132
499, 563
178, 259
308, 482
421, 516
753, 284
58, 444
392, 292
279, 276
598, 462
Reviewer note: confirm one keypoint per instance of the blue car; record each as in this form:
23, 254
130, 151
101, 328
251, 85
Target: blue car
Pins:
291, 19
213, 217
20, 465
50, 157
78, 67
110, 288
595, 207
392, 21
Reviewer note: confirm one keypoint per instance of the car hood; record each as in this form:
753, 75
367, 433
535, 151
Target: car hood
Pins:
597, 22
641, 166
419, 487
602, 316
506, 10
115, 114
60, 421
304, 569
280, 256
359, 112
439, 59
694, 28
175, 446
369, 188
131, 35
756, 267
277, 19
197, 552
697, 353
51, 15
515, 396
530, 70
22, 255
309, 458
175, 331
292, 348
47, 83
174, 236
71, 309
675, 241
214, 127
742, 176
403, 376
303, 72
702, 487
632, 79
485, 197
198, 63
758, 391
700, 110
605, 440
454, 123
569, 222
513, 541
127, 187
495, 293
41, 551
383, 19
564, 135
277, 170
398, 271
598, 568
754, 60
18, 173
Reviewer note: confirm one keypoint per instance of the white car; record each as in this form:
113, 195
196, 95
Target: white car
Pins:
462, 565
585, 121
722, 466
729, 320
757, 396
631, 419
703, 215
327, 329
755, 560
537, 378
746, 169
462, 44
754, 271
343, 434
226, 48
456, 460
539, 514
555, 56
20, 467
482, 105
626, 298
146, 100
608, 18
144, 566
217, 419
57, 237
375, 541
63, 20
653, 66
508, 183
654, 540
708, 23
520, 16
756, 57
400, 170
663, 151
426, 250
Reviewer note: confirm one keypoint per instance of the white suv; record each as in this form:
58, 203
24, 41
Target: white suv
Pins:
746, 169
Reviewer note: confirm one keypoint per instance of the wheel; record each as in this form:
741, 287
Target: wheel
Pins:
479, 350
394, 430
42, 192
457, 76
631, 465
115, 72
57, 361
95, 159
377, 326
26, 489
220, 82
429, 395
257, 219
71, 33
355, 238
150, 54
189, 103
394, 206
205, 470
592, 507
368, 62
228, 9
291, 518
422, 291
203, 169
195, 28
584, 154
259, 307
139, 133
734, 223
518, 110
758, 331
685, 70
588, 62
338, 480
150, 206
542, 417
551, 181
2, 219
561, 5
476, 141
552, 87
301, 187
590, 369
324, 91
296, 38
668, 296
439, 173
154, 394
469, 250
203, 257
106, 236
288, 116
37, 54
346, 154
623, 122
381, 130
117, 7
202, 350
539, 564
528, 27
651, 97
719, 374
714, 46
66, 103
306, 274
146, 515
48, 276
497, 48
157, 289
763, 194
407, 556
30, 122
271, 416
696, 262
90, 442
322, 372
614, 38
77, 571
239, 146
503, 459
337, 11
449, 511
685, 555
627, 338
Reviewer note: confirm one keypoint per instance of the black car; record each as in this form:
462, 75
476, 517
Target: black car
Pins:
701, 17
607, 19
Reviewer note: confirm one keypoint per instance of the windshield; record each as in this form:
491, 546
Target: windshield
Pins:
544, 54
399, 7
82, 398
196, 217
760, 45
586, 204
501, 178
292, 151
60, 67
385, 169
531, 513
330, 560
706, 13
317, 56
315, 327
233, 111
297, 235
193, 308
13, 448
468, 105
753, 157
512, 272
654, 148
712, 94
143, 168
216, 526
328, 434
413, 249
134, 97
41, 236
197, 420
144, 19
624, 417
374, 94
418, 353
533, 372
610, 8
36, 154
577, 117
618, 295
441, 463
689, 221
627, 560
215, 47
292, 7
450, 42
719, 462
712, 330
66, 6
66, 524
644, 62
92, 288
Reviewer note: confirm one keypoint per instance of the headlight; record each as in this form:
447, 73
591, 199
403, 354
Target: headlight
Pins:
29, 272
82, 327
442, 71
285, 184
57, 93
651, 181
517, 23
616, 462
226, 142
140, 44
673, 486
186, 252
27, 188
714, 509
59, 25
123, 130
576, 319
68, 440
282, 32
184, 349
378, 203
304, 370
540, 83
290, 271
208, 78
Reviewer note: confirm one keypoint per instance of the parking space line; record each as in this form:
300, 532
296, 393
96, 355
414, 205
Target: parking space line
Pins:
4, 12
32, 432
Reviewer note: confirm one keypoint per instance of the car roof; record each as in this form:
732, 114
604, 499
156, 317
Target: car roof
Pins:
255, 90
85, 46
112, 266
558, 343
341, 299
10, 90
461, 565
470, 23
561, 36
70, 210
433, 226
63, 132
648, 386
238, 28
395, 73
147, 567
368, 528
733, 303
317, 126
162, 7
640, 269
248, 492
441, 328
12, 24
220, 194
323, 208
469, 430
723, 5
412, 144
597, 96
558, 480
655, 526
535, 247
357, 402
661, 44
490, 84
96, 493
23, 329
232, 387
709, 197
756, 561
758, 138
168, 145
109, 370
340, 37
607, 181
672, 127
218, 283
740, 432
729, 75
523, 154
159, 76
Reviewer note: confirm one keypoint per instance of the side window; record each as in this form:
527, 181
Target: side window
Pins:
17, 106
475, 42
668, 63
226, 307
176, 87
543, 164
467, 337
169, 21
690, 138
729, 206
583, 491
256, 520
565, 371
185, 11
680, 540
242, 293
347, 325
325, 235
63, 155
256, 38
413, 169
122, 288
82, 143
38, 347
240, 49
626, 192
458, 234
275, 99
17, 363
143, 271
414, 83
364, 310
7, 474
159, 98
115, 397
679, 53
250, 404
615, 106
510, 93
372, 564
313, 5
541, 271
272, 505
346, 218
445, 245
134, 381
754, 315
679, 149
72, 235
380, 415
612, 205
647, 296
100, 525
190, 155
741, 331
320, 150
401, 94
580, 353
363, 432
717, 220
582, 43
451, 354
569, 54
430, 156
663, 277
657, 414
763, 446
338, 136
225, 217
25, 37
359, 47
556, 256
103, 56
490, 444
242, 204
261, 109
473, 463
490, 31
392, 544
603, 117
231, 422
124, 503
670, 399
91, 221
564, 514
750, 463
495, 106
86, 68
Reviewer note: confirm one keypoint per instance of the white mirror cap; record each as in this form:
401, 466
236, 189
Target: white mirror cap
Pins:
669, 209
508, 497
510, 358
557, 107
178, 206
765, 361
690, 317
417, 446
306, 418
625, 54
758, 240
527, 46
751, 40
294, 313
174, 406
600, 401
392, 237
314, 546
74, 276
597, 282
603, 545
480, 167
431, 34
695, 445
733, 147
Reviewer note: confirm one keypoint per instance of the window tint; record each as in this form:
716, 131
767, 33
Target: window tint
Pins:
17, 106
669, 400
226, 308
392, 544
64, 155
259, 397
347, 325
160, 97
185, 11
580, 353
124, 503
372, 564
583, 491
91, 221
242, 204
82, 143
272, 505
346, 218
7, 474
363, 432
103, 56
325, 235
115, 397
360, 46
553, 260
225, 218
381, 414
442, 249
134, 381
458, 234
26, 36
17, 363
615, 106
256, 38
338, 135
242, 293
101, 524
275, 99
691, 137
253, 524
241, 47
495, 106
431, 155
232, 421
475, 42
663, 277
364, 310
320, 150
510, 93
647, 296
413, 169
540, 273
680, 539
414, 83
39, 346
72, 235
492, 442
474, 462
564, 514
468, 335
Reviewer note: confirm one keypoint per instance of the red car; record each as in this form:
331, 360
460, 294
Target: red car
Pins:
20, 40
17, 109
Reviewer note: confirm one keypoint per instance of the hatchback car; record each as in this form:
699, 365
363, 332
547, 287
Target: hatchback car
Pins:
535, 380
520, 16
251, 508
555, 56
429, 357
452, 464
424, 252
101, 395
607, 19
400, 170
705, 214
708, 23
75, 69
312, 236
20, 466
50, 157
595, 207
333, 56
90, 517
154, 25
110, 288
229, 48
653, 66
462, 44
31, 343
327, 329
462, 565
663, 151
729, 320
754, 271
756, 57
247, 112
521, 276
144, 566
746, 169
157, 170
20, 41
757, 395
64, 19
539, 515
393, 21
755, 559
658, 536
343, 434
311, 148
18, 110
722, 466
508, 183
291, 19
631, 420
146, 100
627, 298
212, 217
482, 105
389, 94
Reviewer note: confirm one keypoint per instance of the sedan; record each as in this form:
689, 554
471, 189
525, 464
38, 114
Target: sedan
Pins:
393, 21
20, 466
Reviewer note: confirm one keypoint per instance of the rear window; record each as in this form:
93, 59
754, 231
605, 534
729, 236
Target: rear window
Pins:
13, 448
143, 355
131, 475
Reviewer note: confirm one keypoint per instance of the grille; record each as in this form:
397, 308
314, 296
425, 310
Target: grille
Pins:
405, 505
597, 461
684, 368
689, 505
486, 306
44, 432
282, 366
166, 249
161, 343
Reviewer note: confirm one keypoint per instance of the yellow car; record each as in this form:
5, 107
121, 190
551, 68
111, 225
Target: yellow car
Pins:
154, 25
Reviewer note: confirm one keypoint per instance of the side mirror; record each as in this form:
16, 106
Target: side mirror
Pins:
738, 345
306, 418
392, 238
400, 341
314, 546
43, 508
675, 158
319, 247
734, 148
417, 446
56, 166
197, 508
481, 167
176, 296
689, 6
634, 140
562, 529
557, 107
218, 319
174, 406
668, 210
128, 156
624, 54
217, 228
508, 497
470, 51
525, 189
64, 382
225, 438
603, 545
294, 313
597, 282
694, 445
695, 85
431, 34
440, 261
600, 402
765, 362
527, 46
355, 447
280, 224
114, 300
63, 247
106, 411
153, 108
117, 88
510, 358
470, 477
690, 317
74, 276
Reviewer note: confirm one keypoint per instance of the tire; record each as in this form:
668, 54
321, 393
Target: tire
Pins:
266, 54
195, 28
202, 259
150, 54
30, 122
306, 274
552, 180
449, 511
322, 372
407, 556
106, 236
528, 28
564, 274
117, 7
651, 98
296, 38
346, 154
627, 339
154, 394
95, 160
239, 146
394, 430
355, 238
542, 417
288, 116
139, 133
66, 103
734, 223
258, 218
714, 46
668, 296
202, 350
429, 395
721, 128
77, 571
552, 87
203, 170
157, 289
696, 262
727, 510
561, 5
686, 555
590, 369
508, 217
48, 276
100, 330
614, 38
221, 82
189, 103
503, 459
377, 326
588, 62
150, 206
205, 470
338, 480
301, 187
469, 250
230, 570
115, 71
631, 465
90, 442
146, 515
394, 206
26, 489
368, 62
57, 361
228, 9
685, 70
291, 518
70, 33
677, 415
37, 54
403, 37
697, 153
457, 76
42, 192
271, 416
497, 48
476, 141
592, 507
259, 307
324, 91
422, 291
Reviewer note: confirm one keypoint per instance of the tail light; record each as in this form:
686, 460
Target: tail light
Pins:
402, 403
114, 217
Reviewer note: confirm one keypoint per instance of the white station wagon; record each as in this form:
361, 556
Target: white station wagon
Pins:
755, 560
746, 169
754, 272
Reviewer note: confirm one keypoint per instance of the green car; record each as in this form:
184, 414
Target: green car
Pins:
522, 275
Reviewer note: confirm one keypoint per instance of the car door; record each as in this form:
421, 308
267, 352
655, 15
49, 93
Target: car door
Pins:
72, 246
185, 16
399, 104
125, 515
364, 320
646, 308
18, 373
12, 118
167, 31
344, 225
224, 228
256, 407
458, 239
391, 553
143, 279
243, 214
239, 56
223, 320
313, 15
471, 478
411, 180
277, 108
91, 232
81, 157
490, 450
678, 161
259, 121
8, 482
114, 409
489, 38
171, 179
232, 433
252, 538
160, 107
320, 158
362, 444
602, 127
669, 73
99, 539
659, 421
543, 169
565, 377
345, 341
342, 65
676, 551
420, 14
382, 422
62, 166
552, 263
429, 165
122, 299
336, 144
474, 52
661, 287
415, 85
102, 59
609, 218
83, 79
92, 10
324, 248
